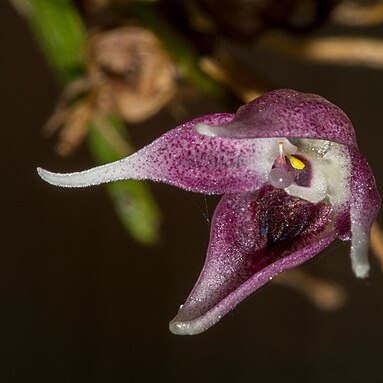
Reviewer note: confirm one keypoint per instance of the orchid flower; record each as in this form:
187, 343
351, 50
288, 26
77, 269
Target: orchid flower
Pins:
293, 181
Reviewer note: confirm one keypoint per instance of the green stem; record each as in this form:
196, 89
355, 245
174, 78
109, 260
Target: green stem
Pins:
60, 33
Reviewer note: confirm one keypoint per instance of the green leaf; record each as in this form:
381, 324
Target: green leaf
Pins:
60, 33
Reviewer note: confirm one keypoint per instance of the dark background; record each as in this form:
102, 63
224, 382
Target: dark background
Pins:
81, 302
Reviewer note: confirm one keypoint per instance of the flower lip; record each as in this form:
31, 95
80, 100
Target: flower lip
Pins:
190, 325
254, 237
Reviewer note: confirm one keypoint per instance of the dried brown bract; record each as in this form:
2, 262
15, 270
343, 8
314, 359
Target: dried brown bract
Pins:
128, 74
135, 76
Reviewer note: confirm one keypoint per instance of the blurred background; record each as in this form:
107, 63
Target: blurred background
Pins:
89, 279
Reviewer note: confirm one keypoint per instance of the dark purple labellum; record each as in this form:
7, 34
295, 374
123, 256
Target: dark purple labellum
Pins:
285, 224
303, 177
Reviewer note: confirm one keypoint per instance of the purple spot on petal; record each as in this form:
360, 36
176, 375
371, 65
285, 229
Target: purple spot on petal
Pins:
303, 177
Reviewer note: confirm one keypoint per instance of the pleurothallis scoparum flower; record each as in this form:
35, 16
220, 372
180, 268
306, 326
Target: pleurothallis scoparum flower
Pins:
292, 179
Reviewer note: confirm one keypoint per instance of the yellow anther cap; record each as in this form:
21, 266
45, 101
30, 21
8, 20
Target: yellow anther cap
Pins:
296, 163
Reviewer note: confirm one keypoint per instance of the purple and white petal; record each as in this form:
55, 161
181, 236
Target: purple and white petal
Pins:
365, 205
287, 113
184, 158
254, 237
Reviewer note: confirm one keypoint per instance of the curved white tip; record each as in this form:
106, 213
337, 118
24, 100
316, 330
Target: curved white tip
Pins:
361, 271
94, 176
359, 253
180, 328
191, 327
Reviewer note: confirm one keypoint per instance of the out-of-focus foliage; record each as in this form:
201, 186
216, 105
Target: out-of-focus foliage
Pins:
245, 20
61, 34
